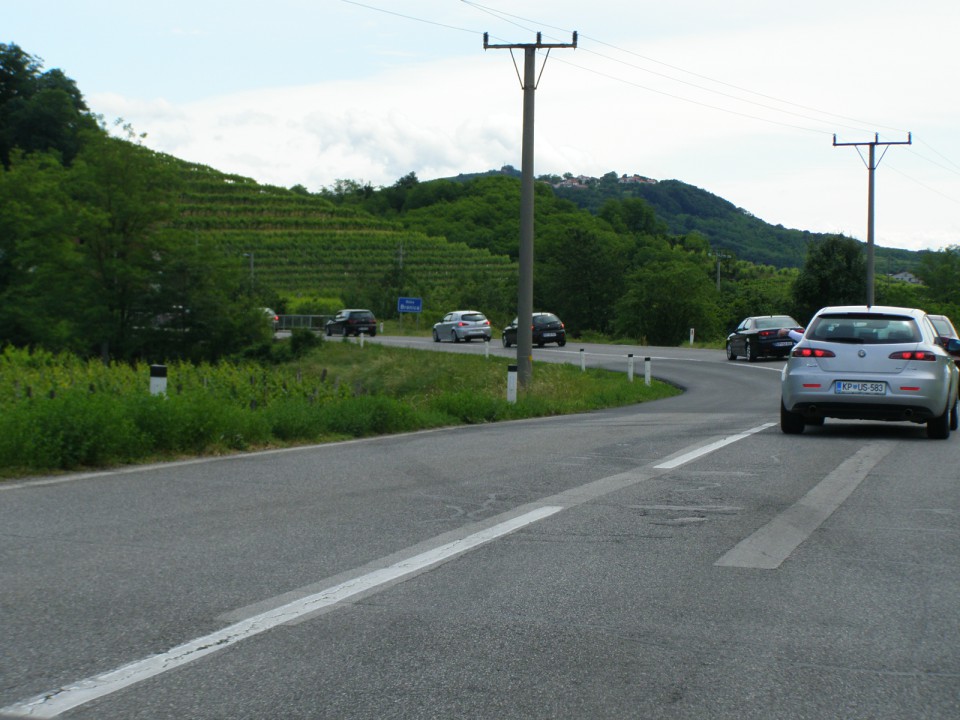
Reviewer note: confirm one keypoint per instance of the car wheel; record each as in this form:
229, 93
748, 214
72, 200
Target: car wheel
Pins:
938, 428
329, 331
373, 333
436, 338
561, 343
506, 343
791, 423
454, 336
954, 417
731, 355
751, 351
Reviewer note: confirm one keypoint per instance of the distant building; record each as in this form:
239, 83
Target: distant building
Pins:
636, 180
908, 277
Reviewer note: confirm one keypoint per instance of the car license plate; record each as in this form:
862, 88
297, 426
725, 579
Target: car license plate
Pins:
849, 387
788, 343
549, 334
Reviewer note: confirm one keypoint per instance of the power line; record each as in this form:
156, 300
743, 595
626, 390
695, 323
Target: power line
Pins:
503, 15
518, 21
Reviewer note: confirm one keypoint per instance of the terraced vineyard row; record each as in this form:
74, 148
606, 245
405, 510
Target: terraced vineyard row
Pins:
304, 245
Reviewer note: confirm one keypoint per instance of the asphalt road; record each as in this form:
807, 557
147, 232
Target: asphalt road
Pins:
677, 559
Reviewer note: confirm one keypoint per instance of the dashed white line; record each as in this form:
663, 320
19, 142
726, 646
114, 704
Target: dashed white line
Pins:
706, 449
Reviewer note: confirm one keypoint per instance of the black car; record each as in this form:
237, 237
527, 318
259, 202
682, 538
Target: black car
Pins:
352, 322
547, 328
762, 336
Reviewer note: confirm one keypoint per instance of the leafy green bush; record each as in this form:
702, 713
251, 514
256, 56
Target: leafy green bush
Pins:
58, 412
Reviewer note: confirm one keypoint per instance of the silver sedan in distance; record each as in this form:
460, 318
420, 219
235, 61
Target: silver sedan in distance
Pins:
463, 325
870, 363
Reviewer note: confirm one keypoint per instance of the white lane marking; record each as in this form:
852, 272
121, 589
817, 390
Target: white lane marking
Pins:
51, 704
769, 546
55, 702
706, 449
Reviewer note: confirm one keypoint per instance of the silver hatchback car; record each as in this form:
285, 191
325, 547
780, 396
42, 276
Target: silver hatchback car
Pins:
870, 363
463, 325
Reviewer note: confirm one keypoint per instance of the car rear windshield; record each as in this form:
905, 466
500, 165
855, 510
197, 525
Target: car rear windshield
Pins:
866, 329
944, 327
545, 319
473, 317
362, 315
778, 321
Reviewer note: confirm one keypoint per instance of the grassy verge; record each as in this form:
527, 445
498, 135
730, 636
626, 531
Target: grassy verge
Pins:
58, 413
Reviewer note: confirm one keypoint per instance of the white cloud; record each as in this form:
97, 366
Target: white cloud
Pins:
597, 110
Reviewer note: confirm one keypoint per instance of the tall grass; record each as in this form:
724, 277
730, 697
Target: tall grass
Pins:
61, 413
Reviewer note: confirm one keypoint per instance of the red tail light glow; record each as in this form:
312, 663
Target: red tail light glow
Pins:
913, 355
809, 352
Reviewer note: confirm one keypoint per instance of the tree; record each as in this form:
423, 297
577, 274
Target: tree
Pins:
579, 276
940, 272
834, 273
665, 299
38, 111
38, 259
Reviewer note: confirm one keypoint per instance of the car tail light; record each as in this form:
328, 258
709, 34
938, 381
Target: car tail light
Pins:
767, 333
461, 324
913, 355
809, 352
486, 322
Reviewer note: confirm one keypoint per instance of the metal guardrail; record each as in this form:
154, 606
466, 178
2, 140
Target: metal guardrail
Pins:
308, 322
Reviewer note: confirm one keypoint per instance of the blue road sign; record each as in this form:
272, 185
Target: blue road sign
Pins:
409, 305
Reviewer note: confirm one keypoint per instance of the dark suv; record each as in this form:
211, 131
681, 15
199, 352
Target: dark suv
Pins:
352, 322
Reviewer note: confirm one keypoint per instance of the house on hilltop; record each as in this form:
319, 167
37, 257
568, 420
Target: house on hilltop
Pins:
636, 180
905, 276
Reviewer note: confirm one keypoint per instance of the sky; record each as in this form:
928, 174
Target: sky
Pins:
743, 98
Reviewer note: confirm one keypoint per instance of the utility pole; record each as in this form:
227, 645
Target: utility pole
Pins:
719, 256
250, 255
871, 164
525, 291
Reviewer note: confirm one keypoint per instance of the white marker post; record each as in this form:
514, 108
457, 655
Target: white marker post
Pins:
691, 337
583, 361
646, 370
486, 347
158, 379
511, 383
630, 367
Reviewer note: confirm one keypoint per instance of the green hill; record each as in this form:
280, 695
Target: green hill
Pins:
685, 208
304, 245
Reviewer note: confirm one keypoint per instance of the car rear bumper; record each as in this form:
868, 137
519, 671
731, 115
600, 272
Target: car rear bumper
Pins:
862, 411
906, 398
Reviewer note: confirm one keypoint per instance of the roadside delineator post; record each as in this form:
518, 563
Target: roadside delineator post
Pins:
630, 367
361, 338
511, 383
646, 370
158, 379
486, 347
583, 361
